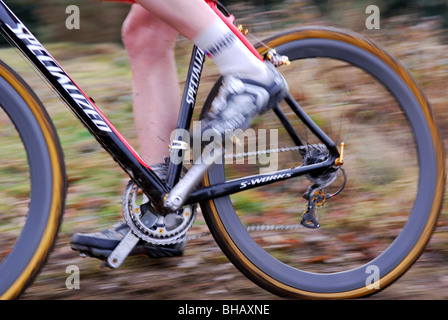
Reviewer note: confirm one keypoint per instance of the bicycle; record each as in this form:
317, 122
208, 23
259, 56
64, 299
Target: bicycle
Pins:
377, 180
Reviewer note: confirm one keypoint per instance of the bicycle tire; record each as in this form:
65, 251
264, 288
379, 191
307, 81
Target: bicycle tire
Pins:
42, 198
277, 277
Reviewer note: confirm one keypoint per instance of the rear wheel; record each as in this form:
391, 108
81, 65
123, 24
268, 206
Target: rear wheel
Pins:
379, 224
33, 185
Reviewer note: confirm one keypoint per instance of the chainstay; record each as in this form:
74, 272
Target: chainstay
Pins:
278, 150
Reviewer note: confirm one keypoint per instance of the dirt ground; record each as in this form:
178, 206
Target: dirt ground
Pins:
204, 273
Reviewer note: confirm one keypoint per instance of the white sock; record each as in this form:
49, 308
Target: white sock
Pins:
229, 54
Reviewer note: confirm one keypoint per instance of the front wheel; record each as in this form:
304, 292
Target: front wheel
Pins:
32, 187
393, 180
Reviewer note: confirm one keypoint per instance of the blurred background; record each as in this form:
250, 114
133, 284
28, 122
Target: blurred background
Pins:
415, 31
45, 17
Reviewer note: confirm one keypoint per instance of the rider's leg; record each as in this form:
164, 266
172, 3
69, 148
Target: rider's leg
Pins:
249, 87
199, 23
150, 45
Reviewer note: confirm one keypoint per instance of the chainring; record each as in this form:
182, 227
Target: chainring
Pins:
151, 226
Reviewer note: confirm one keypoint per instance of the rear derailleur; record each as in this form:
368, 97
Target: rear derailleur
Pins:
317, 198
309, 216
315, 195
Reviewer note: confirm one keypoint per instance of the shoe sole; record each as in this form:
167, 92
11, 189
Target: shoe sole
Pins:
146, 249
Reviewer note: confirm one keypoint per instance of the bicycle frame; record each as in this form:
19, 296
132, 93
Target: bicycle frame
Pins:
120, 150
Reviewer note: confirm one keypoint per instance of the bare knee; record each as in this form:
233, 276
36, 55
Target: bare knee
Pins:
147, 37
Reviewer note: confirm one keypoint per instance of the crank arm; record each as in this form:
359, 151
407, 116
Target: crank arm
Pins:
122, 251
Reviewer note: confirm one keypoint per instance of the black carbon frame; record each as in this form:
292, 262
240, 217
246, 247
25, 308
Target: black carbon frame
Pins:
15, 32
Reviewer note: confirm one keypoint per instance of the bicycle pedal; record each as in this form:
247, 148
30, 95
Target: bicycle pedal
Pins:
122, 251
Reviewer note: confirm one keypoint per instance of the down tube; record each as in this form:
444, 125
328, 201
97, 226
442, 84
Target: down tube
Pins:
83, 107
